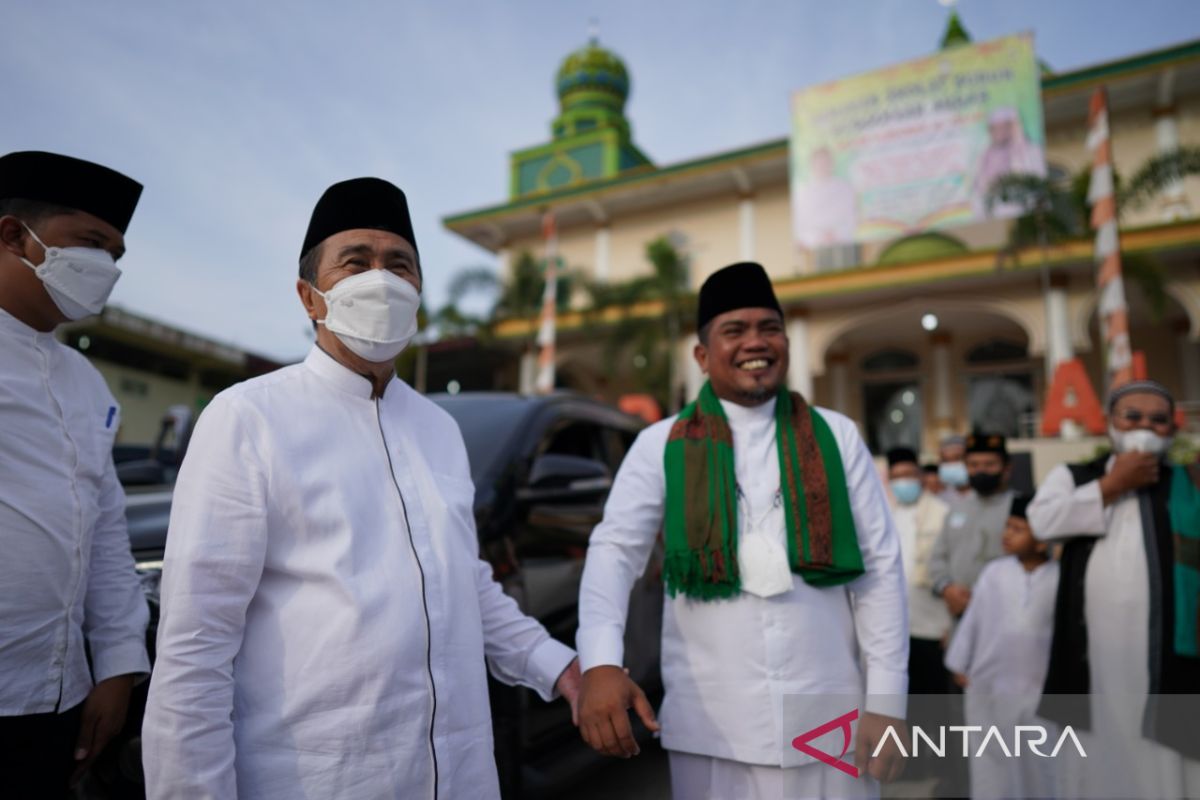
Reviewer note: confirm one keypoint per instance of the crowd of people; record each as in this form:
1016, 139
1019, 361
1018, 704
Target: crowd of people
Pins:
326, 618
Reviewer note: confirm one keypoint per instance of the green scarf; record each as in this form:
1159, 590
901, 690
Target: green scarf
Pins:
1183, 507
701, 506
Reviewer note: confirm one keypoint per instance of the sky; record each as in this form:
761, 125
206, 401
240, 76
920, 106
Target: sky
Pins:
237, 115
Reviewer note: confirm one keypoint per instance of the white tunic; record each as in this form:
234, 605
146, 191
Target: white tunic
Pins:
325, 615
1002, 645
66, 572
1117, 611
728, 664
919, 526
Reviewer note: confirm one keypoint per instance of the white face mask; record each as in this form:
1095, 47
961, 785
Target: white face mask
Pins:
78, 279
1139, 440
374, 313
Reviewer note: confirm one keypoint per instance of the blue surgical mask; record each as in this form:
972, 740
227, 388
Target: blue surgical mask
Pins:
906, 490
954, 474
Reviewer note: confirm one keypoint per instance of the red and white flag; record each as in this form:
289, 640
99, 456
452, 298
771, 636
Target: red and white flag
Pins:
1112, 310
545, 339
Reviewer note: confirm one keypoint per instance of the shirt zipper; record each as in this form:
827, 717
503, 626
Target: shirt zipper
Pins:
424, 600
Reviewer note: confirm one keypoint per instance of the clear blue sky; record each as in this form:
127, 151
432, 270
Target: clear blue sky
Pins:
236, 116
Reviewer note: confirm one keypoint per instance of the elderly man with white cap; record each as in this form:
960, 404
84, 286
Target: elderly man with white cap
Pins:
1125, 619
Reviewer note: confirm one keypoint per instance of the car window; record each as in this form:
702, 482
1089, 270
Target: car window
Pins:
619, 441
583, 439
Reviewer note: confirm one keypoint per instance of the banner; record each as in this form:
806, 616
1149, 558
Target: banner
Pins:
915, 146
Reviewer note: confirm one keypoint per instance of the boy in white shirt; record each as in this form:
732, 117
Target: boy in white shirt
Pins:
1000, 654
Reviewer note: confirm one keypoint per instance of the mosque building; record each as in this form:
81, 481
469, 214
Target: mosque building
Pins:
938, 332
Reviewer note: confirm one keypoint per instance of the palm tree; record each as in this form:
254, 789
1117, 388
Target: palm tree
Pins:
652, 340
1056, 211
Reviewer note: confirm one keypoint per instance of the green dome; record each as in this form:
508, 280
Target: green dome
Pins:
922, 247
592, 69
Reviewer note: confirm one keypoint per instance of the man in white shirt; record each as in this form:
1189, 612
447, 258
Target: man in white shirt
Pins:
782, 568
67, 583
325, 614
952, 469
1121, 634
919, 518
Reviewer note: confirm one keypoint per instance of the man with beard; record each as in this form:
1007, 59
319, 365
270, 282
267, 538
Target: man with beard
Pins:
974, 530
782, 570
1125, 619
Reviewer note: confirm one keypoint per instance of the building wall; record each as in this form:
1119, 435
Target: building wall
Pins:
144, 397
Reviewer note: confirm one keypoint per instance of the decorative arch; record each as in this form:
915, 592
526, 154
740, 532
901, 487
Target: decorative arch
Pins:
1026, 319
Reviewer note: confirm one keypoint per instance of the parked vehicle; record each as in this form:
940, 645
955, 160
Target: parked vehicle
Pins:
542, 468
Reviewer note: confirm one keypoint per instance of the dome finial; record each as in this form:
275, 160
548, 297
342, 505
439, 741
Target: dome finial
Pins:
955, 34
593, 31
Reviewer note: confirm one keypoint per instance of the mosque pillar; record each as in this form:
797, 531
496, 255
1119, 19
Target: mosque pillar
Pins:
1166, 133
527, 371
839, 384
1059, 347
943, 386
504, 263
1058, 325
601, 272
799, 370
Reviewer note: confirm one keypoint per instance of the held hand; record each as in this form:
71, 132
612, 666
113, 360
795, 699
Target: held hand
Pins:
568, 686
102, 719
960, 680
1130, 472
889, 764
605, 698
956, 597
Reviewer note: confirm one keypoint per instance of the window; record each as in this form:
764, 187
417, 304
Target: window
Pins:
996, 351
1000, 402
134, 387
836, 257
894, 415
890, 361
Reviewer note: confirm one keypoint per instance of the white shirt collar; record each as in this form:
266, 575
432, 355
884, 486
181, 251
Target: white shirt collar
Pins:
341, 377
749, 415
11, 325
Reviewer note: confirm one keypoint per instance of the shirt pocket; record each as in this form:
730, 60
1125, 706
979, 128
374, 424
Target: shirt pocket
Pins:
93, 429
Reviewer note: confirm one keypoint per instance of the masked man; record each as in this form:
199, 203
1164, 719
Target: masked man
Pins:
325, 615
974, 531
67, 584
782, 568
1125, 621
952, 470
919, 518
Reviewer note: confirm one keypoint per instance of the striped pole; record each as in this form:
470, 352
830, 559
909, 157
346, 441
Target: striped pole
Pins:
1112, 310
545, 339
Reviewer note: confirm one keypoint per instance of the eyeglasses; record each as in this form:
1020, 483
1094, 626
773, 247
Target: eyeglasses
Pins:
1134, 417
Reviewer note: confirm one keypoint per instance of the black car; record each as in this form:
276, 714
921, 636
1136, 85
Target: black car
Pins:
542, 468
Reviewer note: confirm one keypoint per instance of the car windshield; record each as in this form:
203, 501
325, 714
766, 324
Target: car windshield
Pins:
488, 423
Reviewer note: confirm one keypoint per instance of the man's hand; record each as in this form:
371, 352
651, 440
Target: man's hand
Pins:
102, 719
568, 686
604, 702
1130, 472
888, 765
960, 680
956, 597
